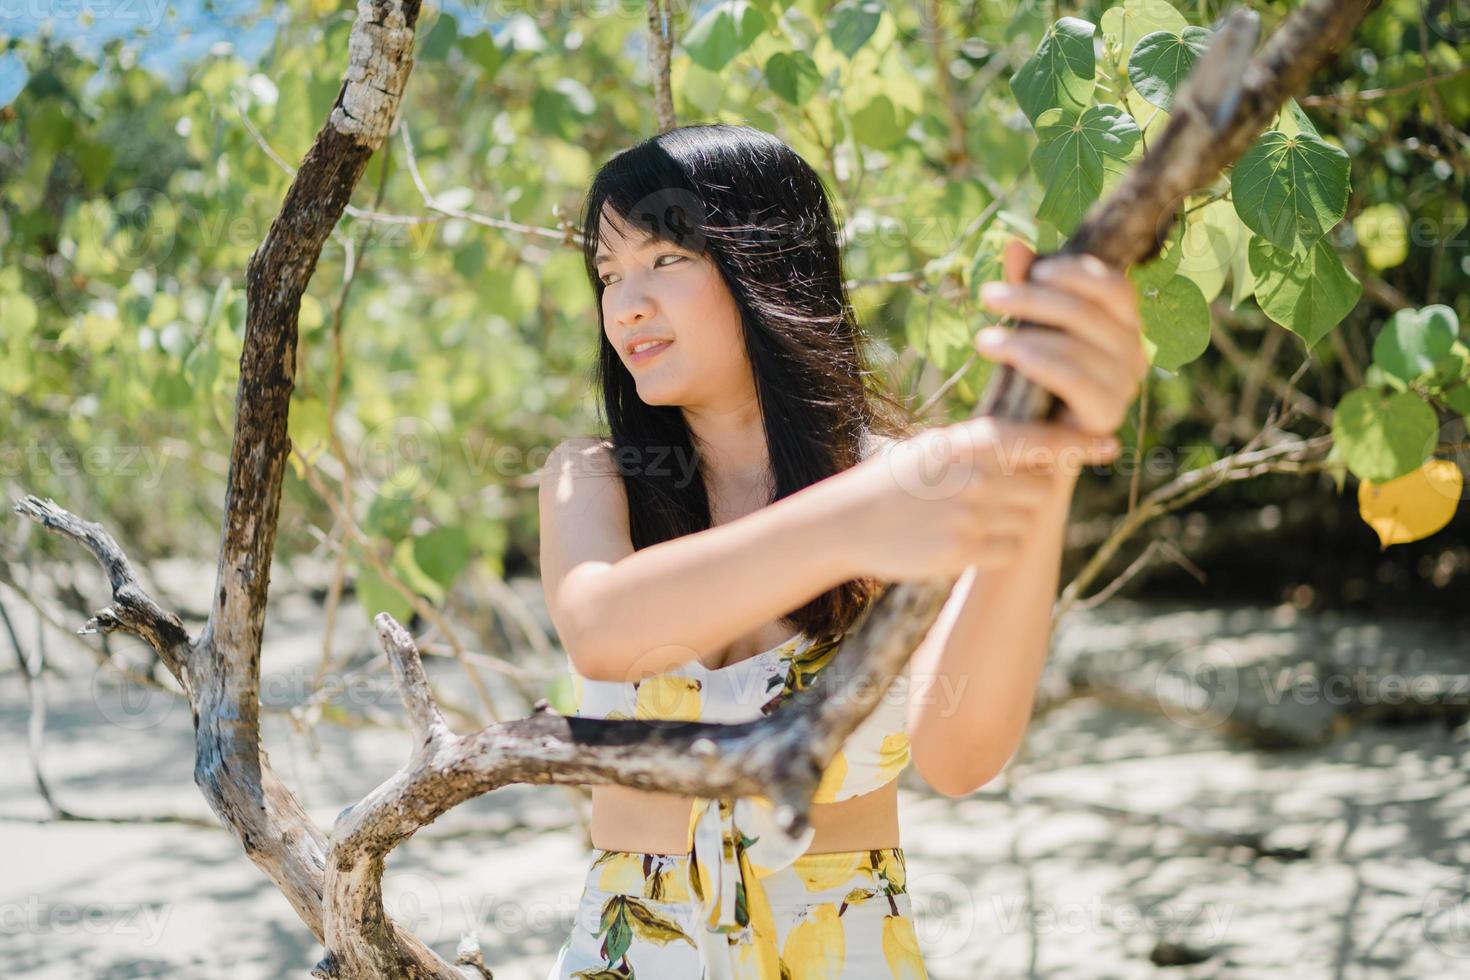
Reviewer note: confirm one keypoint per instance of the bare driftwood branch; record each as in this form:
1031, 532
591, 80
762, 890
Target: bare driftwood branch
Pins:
334, 882
660, 44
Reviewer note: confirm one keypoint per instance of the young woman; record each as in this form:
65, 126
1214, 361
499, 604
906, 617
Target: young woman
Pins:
755, 487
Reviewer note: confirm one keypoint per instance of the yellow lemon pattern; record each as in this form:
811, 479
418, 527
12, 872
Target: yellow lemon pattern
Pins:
837, 915
665, 697
816, 948
901, 949
832, 915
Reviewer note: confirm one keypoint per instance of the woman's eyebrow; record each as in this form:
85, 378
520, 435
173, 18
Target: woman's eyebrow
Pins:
647, 243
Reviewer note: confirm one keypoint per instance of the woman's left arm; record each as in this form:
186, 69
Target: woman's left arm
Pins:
973, 678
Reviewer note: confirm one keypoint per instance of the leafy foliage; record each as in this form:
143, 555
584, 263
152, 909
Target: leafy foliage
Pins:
460, 352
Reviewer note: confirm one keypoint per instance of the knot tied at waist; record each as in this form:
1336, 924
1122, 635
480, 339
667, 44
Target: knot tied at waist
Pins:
733, 844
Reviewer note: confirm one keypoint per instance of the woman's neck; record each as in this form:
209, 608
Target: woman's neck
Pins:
731, 442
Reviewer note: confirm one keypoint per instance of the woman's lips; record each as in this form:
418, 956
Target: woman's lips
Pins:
648, 353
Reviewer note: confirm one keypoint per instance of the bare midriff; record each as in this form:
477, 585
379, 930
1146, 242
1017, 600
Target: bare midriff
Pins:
625, 819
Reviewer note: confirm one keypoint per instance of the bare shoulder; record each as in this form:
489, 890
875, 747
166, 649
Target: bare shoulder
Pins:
581, 491
579, 457
583, 515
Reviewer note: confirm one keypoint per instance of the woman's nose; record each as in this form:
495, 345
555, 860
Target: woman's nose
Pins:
633, 303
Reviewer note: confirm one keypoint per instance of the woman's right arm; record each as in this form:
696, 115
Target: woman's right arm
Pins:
624, 614
954, 496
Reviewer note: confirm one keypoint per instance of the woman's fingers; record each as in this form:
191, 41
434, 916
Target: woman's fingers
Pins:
1089, 276
1087, 380
1015, 260
1089, 322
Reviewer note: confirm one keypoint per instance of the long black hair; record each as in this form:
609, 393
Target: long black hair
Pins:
749, 202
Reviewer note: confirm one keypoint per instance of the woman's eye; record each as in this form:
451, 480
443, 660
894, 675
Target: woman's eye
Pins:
667, 255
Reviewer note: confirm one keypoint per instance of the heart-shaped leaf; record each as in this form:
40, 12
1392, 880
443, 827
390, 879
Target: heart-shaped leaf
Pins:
1308, 295
1077, 157
1061, 74
1291, 190
1162, 61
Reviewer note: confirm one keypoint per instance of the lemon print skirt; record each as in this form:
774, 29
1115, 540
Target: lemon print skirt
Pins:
842, 914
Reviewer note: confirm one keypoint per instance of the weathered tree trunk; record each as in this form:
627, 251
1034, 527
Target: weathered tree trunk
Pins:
334, 882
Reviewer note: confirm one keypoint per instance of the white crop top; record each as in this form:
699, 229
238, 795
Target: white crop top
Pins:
737, 840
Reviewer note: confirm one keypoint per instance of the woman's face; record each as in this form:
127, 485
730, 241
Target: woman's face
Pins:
666, 293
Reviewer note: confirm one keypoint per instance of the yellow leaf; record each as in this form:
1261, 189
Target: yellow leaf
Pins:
1414, 505
649, 925
1383, 232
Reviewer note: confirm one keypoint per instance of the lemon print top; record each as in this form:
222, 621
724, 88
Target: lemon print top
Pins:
735, 842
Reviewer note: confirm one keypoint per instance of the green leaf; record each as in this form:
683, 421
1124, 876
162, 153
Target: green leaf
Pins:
1458, 398
440, 39
1133, 19
1077, 156
877, 124
406, 567
1061, 74
562, 108
375, 595
1162, 61
793, 75
1291, 190
619, 931
484, 50
1292, 119
17, 315
852, 22
940, 331
1207, 245
1176, 318
1384, 436
1029, 19
307, 426
442, 553
723, 33
561, 693
1308, 295
1412, 341
1243, 282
